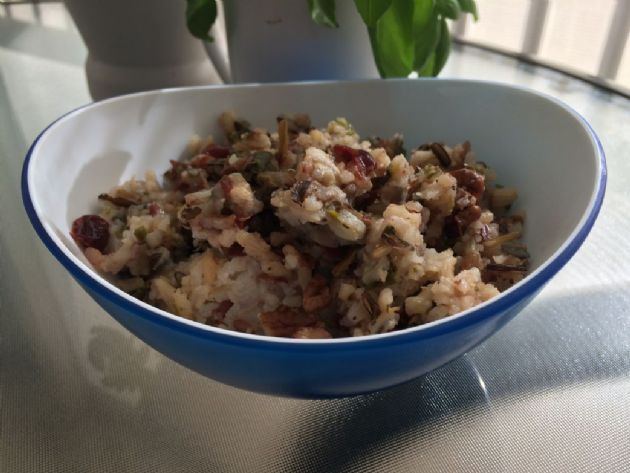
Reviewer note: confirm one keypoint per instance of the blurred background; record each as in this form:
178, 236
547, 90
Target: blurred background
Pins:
584, 38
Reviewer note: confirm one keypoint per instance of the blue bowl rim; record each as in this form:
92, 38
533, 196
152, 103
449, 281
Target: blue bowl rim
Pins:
91, 281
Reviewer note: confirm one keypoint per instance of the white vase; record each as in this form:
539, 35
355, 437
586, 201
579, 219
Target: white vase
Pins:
138, 45
276, 41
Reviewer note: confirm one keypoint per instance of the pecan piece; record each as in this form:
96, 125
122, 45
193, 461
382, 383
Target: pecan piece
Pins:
316, 294
285, 322
312, 333
218, 314
243, 326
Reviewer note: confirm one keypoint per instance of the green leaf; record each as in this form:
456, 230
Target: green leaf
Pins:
469, 6
372, 10
448, 8
375, 51
393, 43
425, 32
427, 70
443, 48
439, 55
323, 12
200, 16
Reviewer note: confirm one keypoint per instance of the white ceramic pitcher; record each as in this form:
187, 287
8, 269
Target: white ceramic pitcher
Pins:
277, 41
138, 45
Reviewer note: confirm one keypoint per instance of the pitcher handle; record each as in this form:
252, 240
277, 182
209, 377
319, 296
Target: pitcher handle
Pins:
218, 49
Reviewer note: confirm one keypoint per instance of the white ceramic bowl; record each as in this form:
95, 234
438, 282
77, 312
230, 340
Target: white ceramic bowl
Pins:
535, 143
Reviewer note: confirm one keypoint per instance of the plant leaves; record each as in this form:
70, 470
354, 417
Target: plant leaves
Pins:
323, 12
394, 47
200, 16
425, 32
427, 70
372, 10
469, 6
443, 48
448, 8
375, 51
439, 55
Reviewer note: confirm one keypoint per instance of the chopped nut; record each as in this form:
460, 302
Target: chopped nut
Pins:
285, 322
316, 294
312, 333
503, 198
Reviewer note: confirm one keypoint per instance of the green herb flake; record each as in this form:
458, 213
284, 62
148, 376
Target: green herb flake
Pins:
140, 233
431, 172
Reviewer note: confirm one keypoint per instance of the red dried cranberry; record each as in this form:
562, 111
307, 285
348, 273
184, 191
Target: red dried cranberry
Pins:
234, 251
154, 209
455, 225
363, 161
201, 161
471, 181
241, 221
90, 231
217, 151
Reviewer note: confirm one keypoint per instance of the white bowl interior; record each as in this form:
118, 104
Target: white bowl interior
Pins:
535, 144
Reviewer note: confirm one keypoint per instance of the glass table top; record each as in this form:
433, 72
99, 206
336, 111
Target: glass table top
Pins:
549, 392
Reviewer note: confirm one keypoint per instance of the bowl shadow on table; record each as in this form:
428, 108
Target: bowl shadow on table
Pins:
329, 435
596, 349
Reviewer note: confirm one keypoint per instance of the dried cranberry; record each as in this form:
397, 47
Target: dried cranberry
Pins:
209, 155
471, 181
217, 151
241, 221
234, 251
90, 231
455, 225
469, 215
342, 153
154, 209
363, 161
201, 161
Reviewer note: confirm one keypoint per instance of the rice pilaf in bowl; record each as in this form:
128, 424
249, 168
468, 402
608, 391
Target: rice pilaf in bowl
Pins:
309, 232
